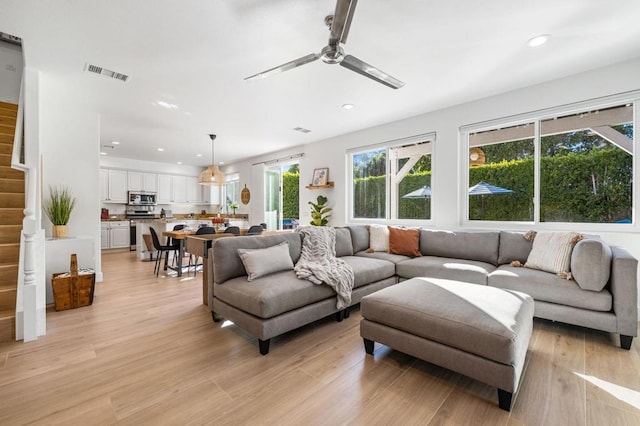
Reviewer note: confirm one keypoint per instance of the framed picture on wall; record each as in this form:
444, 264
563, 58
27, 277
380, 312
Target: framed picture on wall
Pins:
320, 177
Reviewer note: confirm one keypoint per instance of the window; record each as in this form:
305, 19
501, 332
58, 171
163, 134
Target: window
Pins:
392, 182
579, 166
232, 189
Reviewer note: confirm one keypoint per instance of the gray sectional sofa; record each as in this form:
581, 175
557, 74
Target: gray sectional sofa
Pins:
274, 304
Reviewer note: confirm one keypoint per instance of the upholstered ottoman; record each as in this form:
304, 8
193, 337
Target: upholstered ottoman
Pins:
479, 331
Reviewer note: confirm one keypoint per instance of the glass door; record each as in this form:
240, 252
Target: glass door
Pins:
282, 196
272, 199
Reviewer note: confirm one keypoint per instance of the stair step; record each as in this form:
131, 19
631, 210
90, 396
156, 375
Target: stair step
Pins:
8, 299
12, 185
8, 172
8, 121
12, 200
7, 140
9, 106
6, 148
5, 159
5, 112
8, 326
10, 234
8, 276
13, 216
10, 253
6, 129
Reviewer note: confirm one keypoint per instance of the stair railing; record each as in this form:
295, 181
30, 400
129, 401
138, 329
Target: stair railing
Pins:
29, 323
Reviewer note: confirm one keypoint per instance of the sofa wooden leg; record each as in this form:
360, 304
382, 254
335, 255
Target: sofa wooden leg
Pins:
625, 341
347, 312
339, 316
368, 346
504, 399
264, 346
216, 317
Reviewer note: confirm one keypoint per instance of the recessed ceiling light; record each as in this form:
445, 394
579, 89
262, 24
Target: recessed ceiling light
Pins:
179, 162
167, 105
538, 40
348, 106
115, 142
198, 155
160, 149
221, 162
103, 153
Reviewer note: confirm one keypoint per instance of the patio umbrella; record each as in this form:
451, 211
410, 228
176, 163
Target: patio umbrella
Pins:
484, 188
424, 192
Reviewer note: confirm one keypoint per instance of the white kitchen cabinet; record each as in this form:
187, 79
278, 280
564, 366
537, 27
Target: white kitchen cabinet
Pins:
141, 181
165, 190
113, 185
210, 194
179, 184
194, 195
114, 234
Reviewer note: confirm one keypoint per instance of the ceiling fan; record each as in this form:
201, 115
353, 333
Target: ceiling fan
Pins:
338, 24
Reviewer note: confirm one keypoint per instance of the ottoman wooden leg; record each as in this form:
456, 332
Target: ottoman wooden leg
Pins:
264, 346
504, 400
368, 346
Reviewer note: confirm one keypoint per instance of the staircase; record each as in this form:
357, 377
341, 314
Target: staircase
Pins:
11, 216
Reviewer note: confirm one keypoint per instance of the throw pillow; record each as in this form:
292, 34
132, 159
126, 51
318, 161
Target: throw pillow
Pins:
551, 251
404, 241
378, 238
260, 262
591, 264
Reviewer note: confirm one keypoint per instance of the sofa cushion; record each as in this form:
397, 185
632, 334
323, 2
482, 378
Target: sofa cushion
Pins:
513, 246
378, 238
271, 295
480, 246
591, 264
344, 246
227, 263
548, 287
551, 251
389, 257
404, 241
260, 262
359, 237
470, 271
367, 270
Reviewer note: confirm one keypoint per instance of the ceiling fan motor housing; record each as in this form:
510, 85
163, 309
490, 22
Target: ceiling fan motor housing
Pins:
332, 54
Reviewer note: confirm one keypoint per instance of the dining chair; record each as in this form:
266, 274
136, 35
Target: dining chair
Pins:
235, 230
204, 230
255, 230
160, 249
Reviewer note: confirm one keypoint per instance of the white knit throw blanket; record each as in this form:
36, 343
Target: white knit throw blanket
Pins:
318, 262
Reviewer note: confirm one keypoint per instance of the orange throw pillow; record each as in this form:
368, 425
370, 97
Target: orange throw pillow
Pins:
404, 241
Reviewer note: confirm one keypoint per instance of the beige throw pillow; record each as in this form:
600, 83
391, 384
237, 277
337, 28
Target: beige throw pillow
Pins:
378, 238
260, 262
551, 251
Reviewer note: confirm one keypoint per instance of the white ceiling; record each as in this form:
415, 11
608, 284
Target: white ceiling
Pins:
195, 53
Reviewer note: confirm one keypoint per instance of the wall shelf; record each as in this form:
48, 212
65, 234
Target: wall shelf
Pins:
328, 185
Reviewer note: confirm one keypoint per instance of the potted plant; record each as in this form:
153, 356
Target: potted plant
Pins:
233, 206
320, 212
58, 208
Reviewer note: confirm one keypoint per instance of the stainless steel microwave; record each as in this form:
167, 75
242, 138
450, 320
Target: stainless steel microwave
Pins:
137, 198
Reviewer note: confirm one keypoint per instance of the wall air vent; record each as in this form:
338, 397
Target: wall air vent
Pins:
301, 130
107, 73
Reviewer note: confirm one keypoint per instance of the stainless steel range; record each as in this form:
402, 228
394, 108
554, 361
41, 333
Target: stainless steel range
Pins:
135, 213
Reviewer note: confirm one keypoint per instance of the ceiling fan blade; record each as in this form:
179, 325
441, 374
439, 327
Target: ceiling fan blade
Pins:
285, 67
355, 64
342, 20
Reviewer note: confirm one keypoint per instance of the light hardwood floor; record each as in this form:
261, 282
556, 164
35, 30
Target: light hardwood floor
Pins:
147, 352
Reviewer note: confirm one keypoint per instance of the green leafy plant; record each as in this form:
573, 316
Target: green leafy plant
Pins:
320, 212
60, 205
232, 205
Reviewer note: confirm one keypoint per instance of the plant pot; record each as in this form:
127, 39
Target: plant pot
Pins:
60, 231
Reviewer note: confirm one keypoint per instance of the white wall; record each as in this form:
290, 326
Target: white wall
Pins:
11, 65
69, 146
445, 123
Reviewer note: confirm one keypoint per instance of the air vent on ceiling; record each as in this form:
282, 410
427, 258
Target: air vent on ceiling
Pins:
107, 73
301, 130
11, 39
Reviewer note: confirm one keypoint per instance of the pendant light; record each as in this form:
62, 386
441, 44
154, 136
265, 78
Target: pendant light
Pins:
211, 175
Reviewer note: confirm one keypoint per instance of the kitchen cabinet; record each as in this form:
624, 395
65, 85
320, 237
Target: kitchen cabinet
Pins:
194, 194
141, 181
210, 194
165, 190
113, 186
114, 234
179, 184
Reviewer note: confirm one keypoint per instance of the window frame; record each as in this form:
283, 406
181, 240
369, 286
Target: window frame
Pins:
629, 98
421, 138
